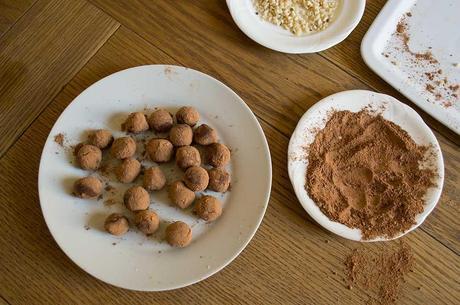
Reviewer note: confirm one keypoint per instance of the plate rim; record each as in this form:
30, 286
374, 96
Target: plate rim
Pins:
243, 245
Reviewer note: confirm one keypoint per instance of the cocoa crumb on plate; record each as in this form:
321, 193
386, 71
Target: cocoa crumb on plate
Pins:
59, 139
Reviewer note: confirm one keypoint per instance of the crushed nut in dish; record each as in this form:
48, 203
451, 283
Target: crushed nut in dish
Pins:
297, 16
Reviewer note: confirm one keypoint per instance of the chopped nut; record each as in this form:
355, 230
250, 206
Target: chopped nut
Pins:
297, 16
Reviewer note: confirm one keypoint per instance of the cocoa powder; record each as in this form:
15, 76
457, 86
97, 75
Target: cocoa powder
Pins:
380, 273
364, 172
423, 66
59, 139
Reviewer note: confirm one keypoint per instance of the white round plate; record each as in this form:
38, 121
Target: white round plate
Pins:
347, 17
355, 100
135, 261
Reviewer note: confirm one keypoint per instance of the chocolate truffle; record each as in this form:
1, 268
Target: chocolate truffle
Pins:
124, 147
135, 123
208, 208
178, 234
88, 187
147, 221
159, 150
205, 135
181, 135
100, 138
217, 155
161, 120
196, 178
136, 198
187, 156
219, 180
180, 195
128, 170
187, 115
89, 157
116, 224
77, 148
154, 179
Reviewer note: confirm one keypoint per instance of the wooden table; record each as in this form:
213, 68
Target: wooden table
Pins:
51, 50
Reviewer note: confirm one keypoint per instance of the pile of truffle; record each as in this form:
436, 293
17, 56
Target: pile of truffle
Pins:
178, 144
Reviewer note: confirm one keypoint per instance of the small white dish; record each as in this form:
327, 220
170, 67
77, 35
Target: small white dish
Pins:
347, 17
135, 261
355, 100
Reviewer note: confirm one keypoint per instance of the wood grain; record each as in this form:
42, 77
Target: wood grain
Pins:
279, 88
3, 301
288, 261
11, 11
40, 54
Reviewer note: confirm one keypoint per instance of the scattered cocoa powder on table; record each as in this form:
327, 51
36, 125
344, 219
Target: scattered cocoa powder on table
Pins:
364, 172
380, 273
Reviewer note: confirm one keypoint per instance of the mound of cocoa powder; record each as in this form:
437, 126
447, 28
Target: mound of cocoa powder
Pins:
380, 273
364, 172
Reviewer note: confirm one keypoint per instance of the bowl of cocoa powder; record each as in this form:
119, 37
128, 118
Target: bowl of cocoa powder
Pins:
365, 166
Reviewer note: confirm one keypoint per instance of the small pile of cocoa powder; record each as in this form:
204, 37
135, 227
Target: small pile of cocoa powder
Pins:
364, 172
380, 273
59, 139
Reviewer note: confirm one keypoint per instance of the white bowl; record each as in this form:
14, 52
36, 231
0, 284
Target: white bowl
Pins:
355, 100
347, 17
136, 261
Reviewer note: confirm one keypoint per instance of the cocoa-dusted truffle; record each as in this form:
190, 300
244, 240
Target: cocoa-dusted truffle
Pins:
181, 135
154, 179
208, 208
187, 156
205, 135
147, 221
178, 234
77, 148
135, 123
161, 120
88, 187
196, 178
100, 138
124, 147
219, 180
217, 155
136, 198
159, 150
128, 170
89, 157
187, 115
180, 195
116, 224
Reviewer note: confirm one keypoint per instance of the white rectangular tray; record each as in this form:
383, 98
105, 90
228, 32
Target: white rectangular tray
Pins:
414, 45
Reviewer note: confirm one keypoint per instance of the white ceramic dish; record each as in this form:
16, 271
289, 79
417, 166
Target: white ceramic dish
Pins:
135, 261
347, 17
355, 100
431, 27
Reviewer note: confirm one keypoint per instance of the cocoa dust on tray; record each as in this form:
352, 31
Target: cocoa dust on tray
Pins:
381, 274
424, 67
364, 172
